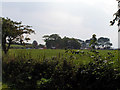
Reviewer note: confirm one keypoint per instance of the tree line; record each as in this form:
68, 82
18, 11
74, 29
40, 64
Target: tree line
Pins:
54, 41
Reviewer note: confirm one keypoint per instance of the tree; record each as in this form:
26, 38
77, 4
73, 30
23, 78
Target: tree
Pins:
71, 43
87, 43
66, 42
117, 17
53, 40
104, 42
108, 45
35, 44
93, 41
13, 31
75, 44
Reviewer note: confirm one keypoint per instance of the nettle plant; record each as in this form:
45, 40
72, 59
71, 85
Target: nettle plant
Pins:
117, 17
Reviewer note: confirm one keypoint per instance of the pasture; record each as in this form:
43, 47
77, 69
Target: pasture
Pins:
83, 57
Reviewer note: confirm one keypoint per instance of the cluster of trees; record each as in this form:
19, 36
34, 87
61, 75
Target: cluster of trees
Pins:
55, 41
100, 43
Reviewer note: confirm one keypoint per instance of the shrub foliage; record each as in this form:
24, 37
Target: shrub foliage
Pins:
60, 73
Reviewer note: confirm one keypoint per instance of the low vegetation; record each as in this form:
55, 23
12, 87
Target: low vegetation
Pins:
61, 69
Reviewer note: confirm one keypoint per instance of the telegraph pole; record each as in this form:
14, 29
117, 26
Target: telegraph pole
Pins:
118, 18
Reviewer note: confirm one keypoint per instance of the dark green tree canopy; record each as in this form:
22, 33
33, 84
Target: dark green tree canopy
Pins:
71, 43
93, 41
51, 37
104, 42
55, 41
35, 44
13, 31
102, 39
52, 41
117, 18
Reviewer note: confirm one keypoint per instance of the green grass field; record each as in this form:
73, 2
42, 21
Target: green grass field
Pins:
38, 54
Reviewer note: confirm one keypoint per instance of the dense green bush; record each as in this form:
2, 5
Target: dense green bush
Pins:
60, 73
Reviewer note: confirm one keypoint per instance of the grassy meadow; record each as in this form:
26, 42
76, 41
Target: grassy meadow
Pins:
83, 57
39, 54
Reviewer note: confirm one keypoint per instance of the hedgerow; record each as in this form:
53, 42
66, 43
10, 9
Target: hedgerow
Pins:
62, 74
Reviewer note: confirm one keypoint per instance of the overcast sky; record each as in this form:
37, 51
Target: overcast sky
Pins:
73, 18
